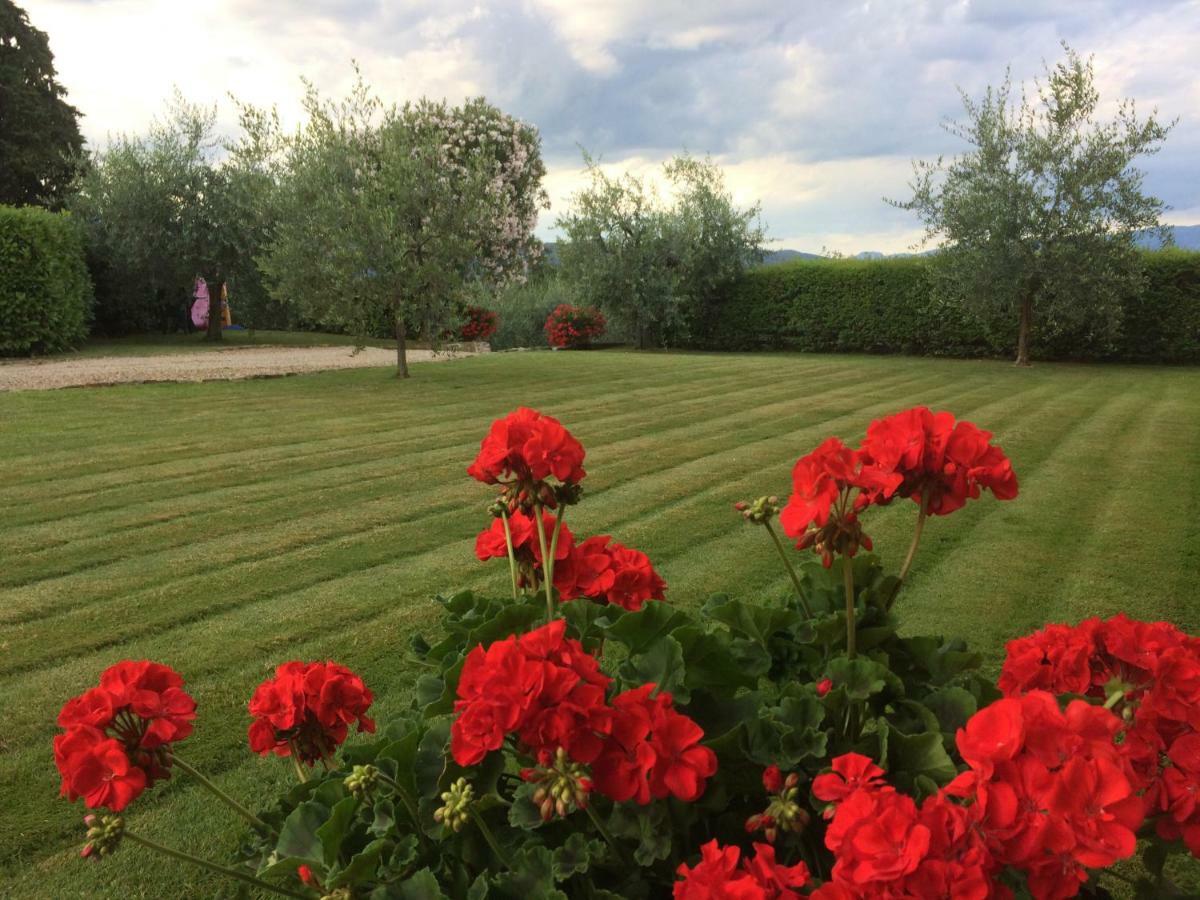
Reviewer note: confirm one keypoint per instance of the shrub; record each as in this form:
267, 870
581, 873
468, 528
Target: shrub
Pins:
523, 309
45, 292
892, 306
480, 324
582, 738
574, 326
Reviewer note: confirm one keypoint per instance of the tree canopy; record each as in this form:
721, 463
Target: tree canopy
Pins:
387, 214
651, 263
40, 142
1038, 218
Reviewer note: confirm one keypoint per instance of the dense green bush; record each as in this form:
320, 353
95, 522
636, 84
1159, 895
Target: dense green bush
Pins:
45, 292
523, 310
891, 306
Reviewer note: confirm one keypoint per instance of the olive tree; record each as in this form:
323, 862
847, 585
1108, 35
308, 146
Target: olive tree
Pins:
1038, 218
391, 212
653, 263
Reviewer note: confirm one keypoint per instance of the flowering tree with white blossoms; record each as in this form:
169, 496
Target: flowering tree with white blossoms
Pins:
389, 213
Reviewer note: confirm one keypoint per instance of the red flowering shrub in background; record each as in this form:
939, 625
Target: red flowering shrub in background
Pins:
574, 326
480, 324
118, 736
306, 710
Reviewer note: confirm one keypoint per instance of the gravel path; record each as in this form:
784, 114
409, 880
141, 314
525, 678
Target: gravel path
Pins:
210, 365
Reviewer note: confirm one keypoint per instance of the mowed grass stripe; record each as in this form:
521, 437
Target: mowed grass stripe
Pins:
372, 610
247, 489
461, 486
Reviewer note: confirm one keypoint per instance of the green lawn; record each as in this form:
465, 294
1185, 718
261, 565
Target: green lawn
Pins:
225, 527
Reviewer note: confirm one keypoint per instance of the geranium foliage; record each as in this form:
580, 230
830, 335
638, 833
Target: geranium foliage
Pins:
582, 736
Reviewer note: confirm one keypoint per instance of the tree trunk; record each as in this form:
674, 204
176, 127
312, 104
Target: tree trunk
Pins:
214, 332
1024, 330
401, 346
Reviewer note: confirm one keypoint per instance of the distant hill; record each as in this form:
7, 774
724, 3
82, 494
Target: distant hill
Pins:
1187, 237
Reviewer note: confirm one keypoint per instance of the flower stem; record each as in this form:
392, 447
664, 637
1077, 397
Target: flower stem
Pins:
612, 842
851, 623
512, 556
214, 867
912, 548
220, 794
491, 839
547, 564
790, 568
300, 773
409, 804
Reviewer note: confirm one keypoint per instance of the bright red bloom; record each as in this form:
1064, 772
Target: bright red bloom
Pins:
718, 876
491, 543
824, 686
851, 772
527, 447
605, 571
919, 453
306, 709
820, 511
118, 735
653, 751
97, 768
543, 687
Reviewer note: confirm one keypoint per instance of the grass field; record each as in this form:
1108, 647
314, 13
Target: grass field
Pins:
225, 527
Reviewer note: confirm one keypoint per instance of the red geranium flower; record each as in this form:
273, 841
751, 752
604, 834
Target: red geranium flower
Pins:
526, 447
306, 709
653, 751
543, 687
719, 875
118, 735
820, 511
608, 572
919, 453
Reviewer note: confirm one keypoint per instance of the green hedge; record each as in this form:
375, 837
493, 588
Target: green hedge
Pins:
889, 306
45, 292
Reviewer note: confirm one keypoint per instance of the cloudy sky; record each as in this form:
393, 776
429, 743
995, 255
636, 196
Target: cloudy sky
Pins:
816, 108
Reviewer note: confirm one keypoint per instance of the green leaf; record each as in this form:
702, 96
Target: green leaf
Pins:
333, 832
524, 813
758, 623
712, 663
362, 867
430, 761
648, 826
298, 836
531, 876
575, 855
421, 886
861, 677
661, 665
920, 754
952, 706
640, 630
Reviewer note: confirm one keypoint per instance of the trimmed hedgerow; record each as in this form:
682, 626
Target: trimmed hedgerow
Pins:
891, 306
45, 292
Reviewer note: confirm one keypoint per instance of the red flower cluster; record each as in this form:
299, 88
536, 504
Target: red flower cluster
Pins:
306, 710
916, 453
118, 736
480, 325
574, 326
545, 689
888, 847
491, 543
604, 570
527, 447
721, 874
653, 751
1150, 672
1051, 793
542, 686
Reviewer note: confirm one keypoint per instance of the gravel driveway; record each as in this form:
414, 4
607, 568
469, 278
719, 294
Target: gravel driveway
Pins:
209, 365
